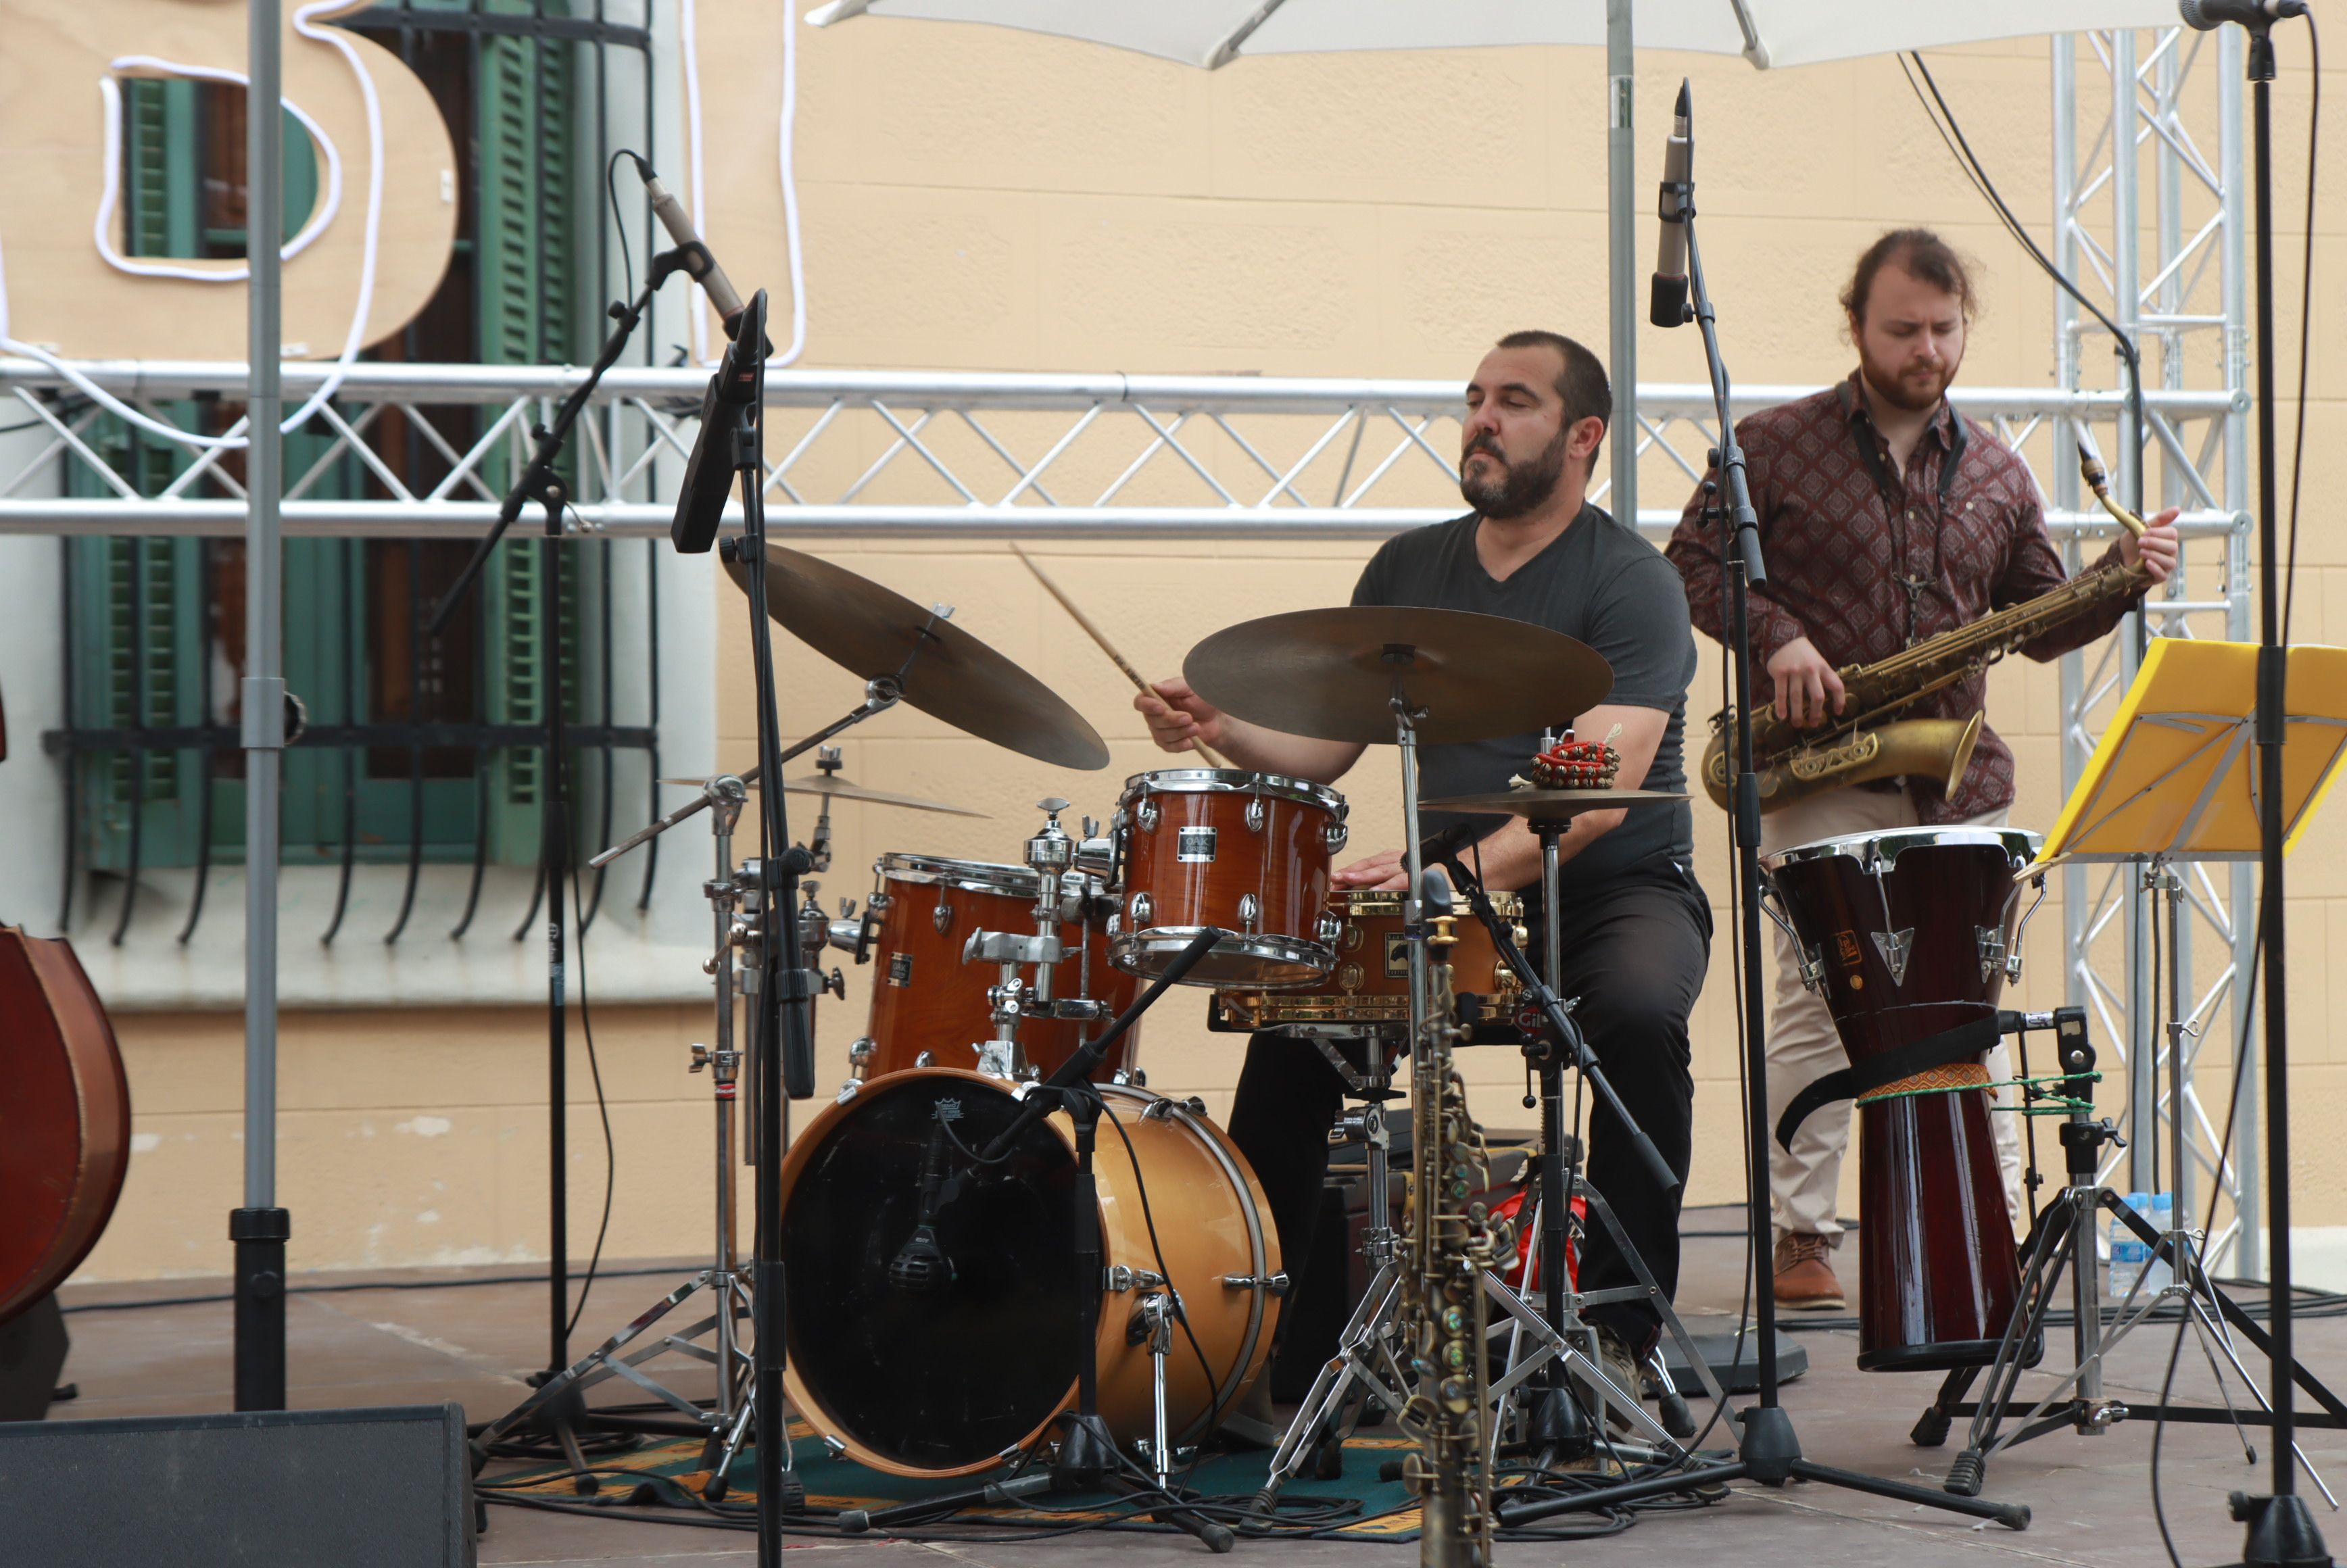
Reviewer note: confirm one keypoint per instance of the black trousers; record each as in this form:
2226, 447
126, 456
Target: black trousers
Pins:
1634, 952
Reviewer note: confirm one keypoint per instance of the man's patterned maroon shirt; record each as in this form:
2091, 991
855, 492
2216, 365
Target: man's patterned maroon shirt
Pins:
1843, 552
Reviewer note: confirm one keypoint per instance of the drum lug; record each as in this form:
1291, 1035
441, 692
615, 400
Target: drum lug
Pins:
998, 1059
1277, 1283
1258, 811
927, 1058
1144, 909
1120, 1276
942, 916
1130, 1078
1332, 929
1894, 947
1250, 911
1144, 815
1990, 939
1336, 835
849, 1090
834, 1447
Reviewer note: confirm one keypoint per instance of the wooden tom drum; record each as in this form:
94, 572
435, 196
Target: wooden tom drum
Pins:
928, 1008
1906, 933
1371, 982
1246, 852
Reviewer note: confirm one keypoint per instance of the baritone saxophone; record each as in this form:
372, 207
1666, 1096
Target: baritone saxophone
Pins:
1442, 1317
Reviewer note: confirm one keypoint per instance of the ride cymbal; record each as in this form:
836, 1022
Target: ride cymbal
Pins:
840, 788
872, 631
1329, 673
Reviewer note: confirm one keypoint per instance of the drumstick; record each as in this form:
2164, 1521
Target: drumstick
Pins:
1212, 758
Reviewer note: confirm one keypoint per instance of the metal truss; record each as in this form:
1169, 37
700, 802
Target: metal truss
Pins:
862, 454
2165, 257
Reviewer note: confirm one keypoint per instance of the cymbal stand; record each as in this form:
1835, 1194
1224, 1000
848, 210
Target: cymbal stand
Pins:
726, 1422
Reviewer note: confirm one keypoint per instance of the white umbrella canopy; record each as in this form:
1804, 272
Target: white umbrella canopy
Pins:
1768, 33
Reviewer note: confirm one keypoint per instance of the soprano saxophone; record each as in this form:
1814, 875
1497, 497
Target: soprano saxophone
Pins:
1442, 1317
1865, 740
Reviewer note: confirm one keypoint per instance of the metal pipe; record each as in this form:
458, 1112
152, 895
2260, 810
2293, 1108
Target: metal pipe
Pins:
259, 1228
1622, 262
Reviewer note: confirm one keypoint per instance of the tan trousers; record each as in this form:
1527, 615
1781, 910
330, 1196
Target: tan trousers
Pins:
1804, 1182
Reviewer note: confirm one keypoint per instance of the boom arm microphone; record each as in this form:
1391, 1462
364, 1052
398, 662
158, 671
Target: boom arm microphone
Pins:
699, 264
2255, 14
1666, 305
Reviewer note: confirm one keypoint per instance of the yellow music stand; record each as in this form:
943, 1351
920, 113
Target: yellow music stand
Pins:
2175, 777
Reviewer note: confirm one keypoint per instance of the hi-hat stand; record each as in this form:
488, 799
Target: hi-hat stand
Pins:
1769, 1451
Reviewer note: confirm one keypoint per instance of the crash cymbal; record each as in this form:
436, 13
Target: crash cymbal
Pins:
870, 630
1326, 674
840, 788
1550, 804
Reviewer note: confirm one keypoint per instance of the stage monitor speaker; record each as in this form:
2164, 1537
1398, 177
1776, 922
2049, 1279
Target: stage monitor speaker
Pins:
384, 1487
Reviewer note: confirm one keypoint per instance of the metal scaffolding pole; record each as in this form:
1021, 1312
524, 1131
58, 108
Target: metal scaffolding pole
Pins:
1622, 269
259, 1228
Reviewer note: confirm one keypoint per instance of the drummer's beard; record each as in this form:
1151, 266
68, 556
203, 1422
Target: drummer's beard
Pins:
1520, 486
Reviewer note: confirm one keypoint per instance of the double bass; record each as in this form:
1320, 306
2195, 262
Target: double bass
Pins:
65, 1118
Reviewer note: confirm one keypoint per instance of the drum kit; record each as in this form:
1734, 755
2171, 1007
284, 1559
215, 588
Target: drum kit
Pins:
945, 1317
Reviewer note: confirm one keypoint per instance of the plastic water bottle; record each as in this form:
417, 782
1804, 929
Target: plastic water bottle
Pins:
2131, 1256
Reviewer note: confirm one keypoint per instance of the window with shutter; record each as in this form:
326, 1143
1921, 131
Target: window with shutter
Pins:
157, 625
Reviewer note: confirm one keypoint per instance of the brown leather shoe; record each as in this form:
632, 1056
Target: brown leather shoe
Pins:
1804, 1279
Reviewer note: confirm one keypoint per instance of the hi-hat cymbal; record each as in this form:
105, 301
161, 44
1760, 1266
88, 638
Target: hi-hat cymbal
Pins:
839, 788
1550, 804
1326, 673
872, 631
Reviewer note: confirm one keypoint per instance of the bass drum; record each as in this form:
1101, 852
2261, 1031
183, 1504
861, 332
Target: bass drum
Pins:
943, 1382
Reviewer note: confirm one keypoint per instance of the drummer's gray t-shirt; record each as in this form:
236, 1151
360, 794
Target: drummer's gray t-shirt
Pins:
1597, 581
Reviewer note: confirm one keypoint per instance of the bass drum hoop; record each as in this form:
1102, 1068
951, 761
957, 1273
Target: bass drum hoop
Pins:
1252, 1207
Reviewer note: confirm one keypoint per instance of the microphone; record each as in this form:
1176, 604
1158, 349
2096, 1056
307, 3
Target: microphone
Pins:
1666, 305
699, 264
2205, 15
1440, 847
709, 471
921, 1267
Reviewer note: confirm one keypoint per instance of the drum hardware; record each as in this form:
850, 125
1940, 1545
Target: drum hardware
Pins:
727, 1422
2063, 1241
1087, 1456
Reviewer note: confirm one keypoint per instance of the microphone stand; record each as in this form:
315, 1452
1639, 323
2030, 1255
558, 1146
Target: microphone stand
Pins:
541, 483
2280, 1529
1768, 1450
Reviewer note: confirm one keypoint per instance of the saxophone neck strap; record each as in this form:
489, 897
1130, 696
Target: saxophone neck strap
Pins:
1966, 1043
1871, 454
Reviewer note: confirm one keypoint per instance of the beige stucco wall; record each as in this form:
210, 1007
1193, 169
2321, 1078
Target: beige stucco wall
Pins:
979, 199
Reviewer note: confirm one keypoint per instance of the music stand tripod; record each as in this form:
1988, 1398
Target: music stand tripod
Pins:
2170, 780
1769, 1451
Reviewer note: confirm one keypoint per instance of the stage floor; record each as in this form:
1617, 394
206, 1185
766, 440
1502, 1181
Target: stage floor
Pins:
473, 1344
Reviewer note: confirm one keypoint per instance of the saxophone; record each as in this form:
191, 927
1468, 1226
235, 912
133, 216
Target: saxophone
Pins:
1442, 1317
1865, 741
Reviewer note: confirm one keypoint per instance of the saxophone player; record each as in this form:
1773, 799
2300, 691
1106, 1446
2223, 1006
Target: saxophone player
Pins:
1886, 518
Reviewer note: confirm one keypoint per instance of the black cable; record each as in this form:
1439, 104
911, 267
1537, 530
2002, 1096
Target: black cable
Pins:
611, 196
2305, 317
1953, 133
602, 1104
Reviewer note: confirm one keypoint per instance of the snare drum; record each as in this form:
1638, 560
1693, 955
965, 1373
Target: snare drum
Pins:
1906, 934
1371, 982
1246, 852
929, 1008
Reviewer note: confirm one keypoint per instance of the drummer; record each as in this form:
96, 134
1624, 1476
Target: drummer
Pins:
1636, 928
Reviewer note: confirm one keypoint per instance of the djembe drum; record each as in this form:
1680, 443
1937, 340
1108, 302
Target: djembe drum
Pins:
1906, 934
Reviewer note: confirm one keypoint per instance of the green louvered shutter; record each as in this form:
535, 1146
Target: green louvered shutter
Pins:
528, 309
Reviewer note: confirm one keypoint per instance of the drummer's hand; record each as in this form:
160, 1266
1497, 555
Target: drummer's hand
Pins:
1804, 679
1178, 718
1382, 873
2157, 547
